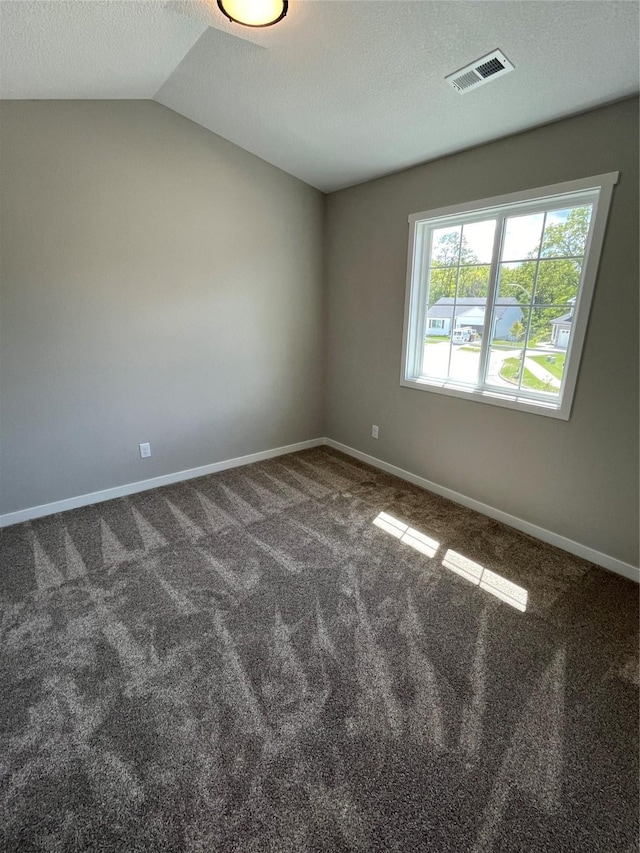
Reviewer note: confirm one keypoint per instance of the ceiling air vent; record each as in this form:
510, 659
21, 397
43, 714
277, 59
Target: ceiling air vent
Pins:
483, 70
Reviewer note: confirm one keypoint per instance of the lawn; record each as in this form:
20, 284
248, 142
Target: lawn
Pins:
435, 339
510, 371
555, 369
499, 343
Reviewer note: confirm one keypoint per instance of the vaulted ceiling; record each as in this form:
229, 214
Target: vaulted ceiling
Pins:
339, 92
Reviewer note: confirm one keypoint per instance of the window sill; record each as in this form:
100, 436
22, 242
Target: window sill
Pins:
492, 397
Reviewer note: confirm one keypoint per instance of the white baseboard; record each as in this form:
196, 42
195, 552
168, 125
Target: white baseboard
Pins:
154, 483
600, 559
604, 560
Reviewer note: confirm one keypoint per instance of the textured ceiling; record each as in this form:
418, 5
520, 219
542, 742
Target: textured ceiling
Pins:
71, 49
338, 92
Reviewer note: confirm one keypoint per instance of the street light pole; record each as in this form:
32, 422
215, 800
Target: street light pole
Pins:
523, 289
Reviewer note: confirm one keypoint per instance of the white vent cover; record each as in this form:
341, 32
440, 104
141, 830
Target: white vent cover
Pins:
483, 70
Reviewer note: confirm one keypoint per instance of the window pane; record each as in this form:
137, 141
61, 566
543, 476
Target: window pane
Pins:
465, 356
546, 358
505, 368
473, 281
551, 327
507, 344
438, 323
453, 354
517, 281
565, 232
469, 319
445, 246
557, 281
508, 318
442, 283
522, 237
477, 242
435, 360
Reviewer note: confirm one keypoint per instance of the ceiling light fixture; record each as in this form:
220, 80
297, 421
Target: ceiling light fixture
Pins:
254, 13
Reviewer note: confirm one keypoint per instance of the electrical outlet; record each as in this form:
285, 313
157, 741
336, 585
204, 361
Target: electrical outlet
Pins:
374, 431
145, 450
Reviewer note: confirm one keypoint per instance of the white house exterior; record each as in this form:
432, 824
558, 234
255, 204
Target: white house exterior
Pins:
469, 311
561, 328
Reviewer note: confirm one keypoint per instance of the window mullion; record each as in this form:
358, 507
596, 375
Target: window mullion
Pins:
455, 301
485, 349
534, 287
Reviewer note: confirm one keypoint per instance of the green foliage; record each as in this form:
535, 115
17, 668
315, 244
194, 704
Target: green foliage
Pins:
470, 280
557, 281
517, 280
474, 281
555, 276
446, 248
510, 371
568, 238
517, 330
442, 283
540, 329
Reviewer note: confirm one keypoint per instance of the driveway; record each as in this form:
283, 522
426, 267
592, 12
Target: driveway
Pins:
465, 363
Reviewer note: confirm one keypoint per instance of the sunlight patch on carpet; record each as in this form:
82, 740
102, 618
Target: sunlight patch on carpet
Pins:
407, 535
491, 582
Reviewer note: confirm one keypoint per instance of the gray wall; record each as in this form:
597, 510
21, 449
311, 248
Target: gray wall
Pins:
578, 478
158, 284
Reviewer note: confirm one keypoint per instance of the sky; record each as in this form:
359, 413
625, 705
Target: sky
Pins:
522, 235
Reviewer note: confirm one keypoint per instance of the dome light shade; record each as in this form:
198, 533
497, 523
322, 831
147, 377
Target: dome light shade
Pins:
254, 13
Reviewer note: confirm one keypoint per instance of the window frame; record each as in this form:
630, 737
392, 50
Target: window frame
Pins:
501, 207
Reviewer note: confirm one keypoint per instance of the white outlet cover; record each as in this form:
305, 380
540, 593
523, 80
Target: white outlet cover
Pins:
145, 450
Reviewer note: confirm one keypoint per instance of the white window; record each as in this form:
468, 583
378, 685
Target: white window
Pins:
512, 277
436, 324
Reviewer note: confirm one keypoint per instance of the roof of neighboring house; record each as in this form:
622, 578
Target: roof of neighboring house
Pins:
444, 307
566, 318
